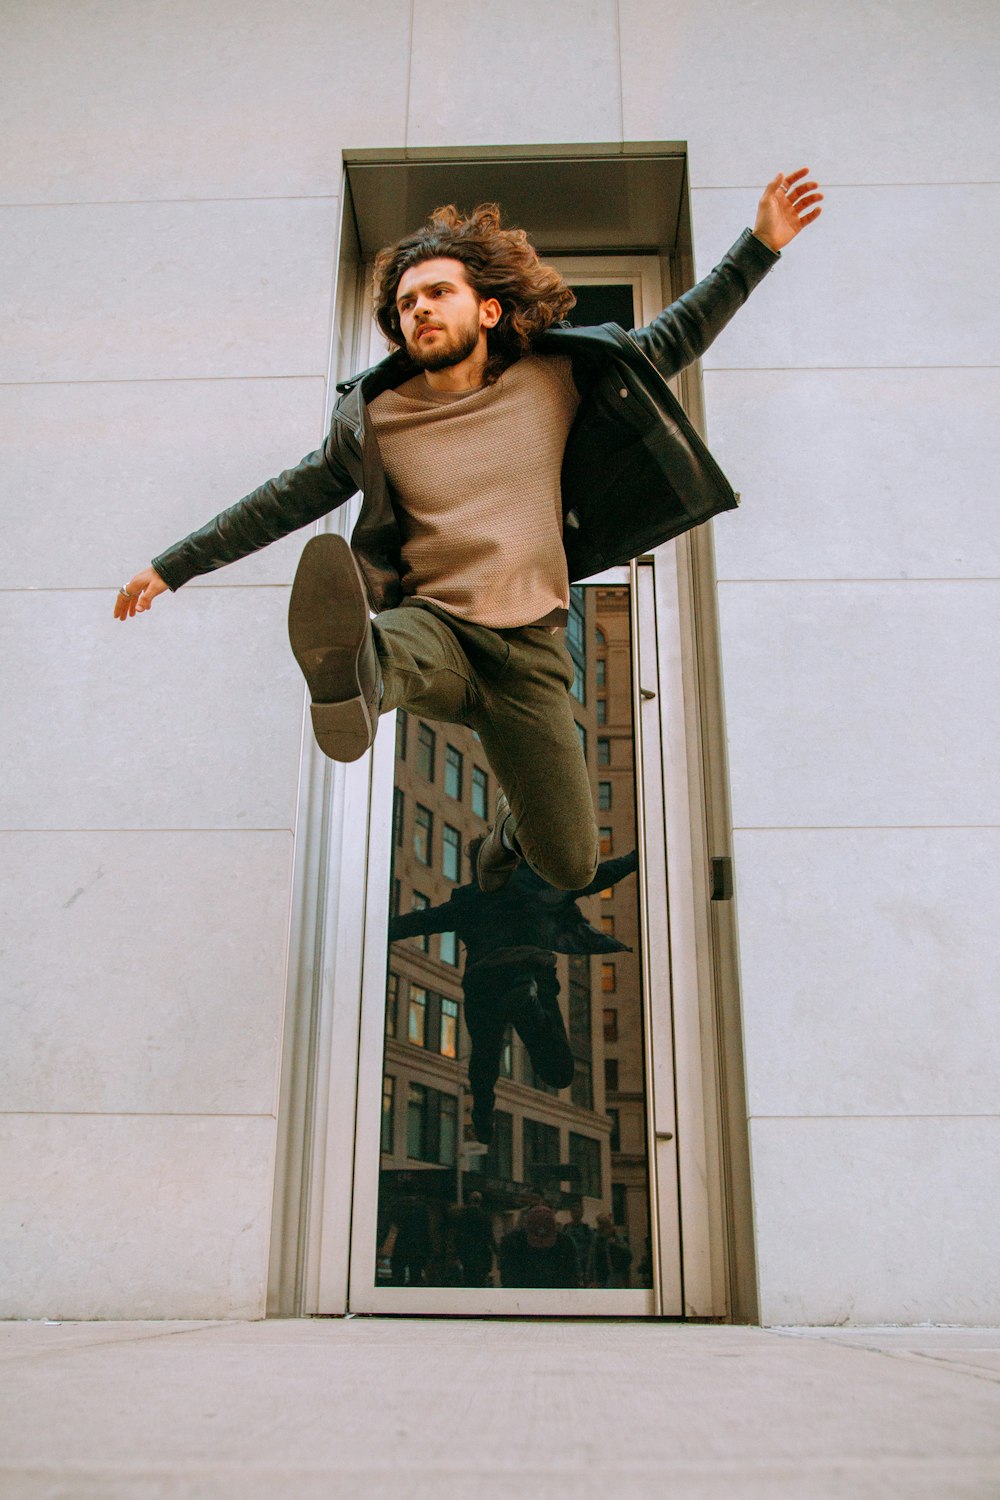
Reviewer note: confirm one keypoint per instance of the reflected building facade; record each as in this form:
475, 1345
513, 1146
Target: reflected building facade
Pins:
586, 1141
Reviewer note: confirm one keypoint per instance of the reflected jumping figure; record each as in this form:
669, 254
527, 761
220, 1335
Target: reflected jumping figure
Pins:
511, 939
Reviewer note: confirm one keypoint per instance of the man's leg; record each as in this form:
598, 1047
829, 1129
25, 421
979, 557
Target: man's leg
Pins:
486, 1022
530, 737
424, 668
533, 1003
511, 686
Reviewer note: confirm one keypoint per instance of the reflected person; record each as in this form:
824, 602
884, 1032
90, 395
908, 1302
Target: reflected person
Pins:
499, 454
580, 1233
412, 1244
610, 1258
538, 1253
473, 1242
511, 939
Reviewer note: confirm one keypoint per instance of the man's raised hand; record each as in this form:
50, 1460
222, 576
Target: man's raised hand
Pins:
785, 208
138, 594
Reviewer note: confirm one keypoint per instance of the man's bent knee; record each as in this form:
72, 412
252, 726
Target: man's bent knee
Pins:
568, 869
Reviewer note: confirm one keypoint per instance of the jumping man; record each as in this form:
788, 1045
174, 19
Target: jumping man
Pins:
500, 455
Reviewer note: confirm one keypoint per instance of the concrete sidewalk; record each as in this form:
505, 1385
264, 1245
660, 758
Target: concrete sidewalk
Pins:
393, 1407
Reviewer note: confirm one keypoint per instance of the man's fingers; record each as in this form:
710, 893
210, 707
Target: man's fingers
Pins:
807, 202
138, 594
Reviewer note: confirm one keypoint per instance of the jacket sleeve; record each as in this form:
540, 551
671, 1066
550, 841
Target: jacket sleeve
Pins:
609, 872
683, 331
314, 487
418, 923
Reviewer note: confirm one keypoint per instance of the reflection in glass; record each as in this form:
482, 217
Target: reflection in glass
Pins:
513, 1109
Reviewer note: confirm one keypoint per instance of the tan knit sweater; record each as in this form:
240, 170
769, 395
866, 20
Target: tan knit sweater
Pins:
475, 481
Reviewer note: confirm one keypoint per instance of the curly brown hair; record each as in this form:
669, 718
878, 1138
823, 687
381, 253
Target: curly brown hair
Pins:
498, 263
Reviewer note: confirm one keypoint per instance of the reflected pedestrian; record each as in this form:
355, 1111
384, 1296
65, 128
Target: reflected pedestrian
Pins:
538, 1253
610, 1258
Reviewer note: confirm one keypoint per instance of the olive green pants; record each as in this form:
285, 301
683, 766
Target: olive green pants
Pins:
512, 688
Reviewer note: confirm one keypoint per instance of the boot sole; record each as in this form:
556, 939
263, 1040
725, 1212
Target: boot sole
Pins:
328, 625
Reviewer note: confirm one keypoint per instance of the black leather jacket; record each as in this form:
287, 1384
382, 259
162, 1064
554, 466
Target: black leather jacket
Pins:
635, 472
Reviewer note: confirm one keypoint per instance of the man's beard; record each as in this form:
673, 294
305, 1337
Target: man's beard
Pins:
450, 349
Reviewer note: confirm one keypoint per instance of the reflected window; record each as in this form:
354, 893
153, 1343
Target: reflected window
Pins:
607, 840
540, 1143
579, 687
416, 1123
431, 1125
423, 833
416, 1026
480, 792
582, 1088
575, 629
603, 752
608, 980
619, 1200
602, 711
426, 741
391, 1003
397, 817
602, 672
579, 1001
604, 796
582, 735
611, 1075
451, 853
388, 1111
585, 1156
448, 1043
614, 1115
453, 772
608, 926
499, 1160
402, 724
610, 1025
448, 948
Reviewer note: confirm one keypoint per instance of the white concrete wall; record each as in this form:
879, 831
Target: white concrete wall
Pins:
167, 240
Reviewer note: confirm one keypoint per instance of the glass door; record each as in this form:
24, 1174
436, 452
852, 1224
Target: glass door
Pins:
510, 1156
515, 1144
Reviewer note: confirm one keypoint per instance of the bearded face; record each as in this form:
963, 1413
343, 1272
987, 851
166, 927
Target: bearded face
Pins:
434, 347
441, 318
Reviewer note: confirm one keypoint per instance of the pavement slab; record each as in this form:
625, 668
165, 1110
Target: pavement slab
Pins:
376, 1407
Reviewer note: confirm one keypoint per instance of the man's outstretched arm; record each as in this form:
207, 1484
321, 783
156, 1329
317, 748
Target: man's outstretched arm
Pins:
682, 332
609, 872
295, 498
441, 918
